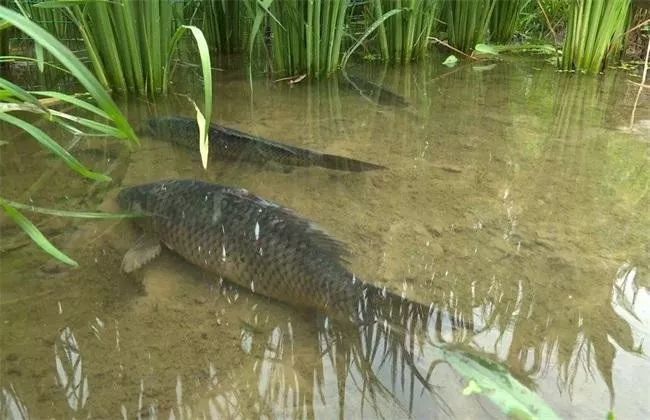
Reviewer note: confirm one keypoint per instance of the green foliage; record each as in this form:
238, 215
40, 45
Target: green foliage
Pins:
505, 19
594, 34
17, 99
405, 36
306, 36
11, 209
545, 19
225, 24
36, 235
376, 24
467, 22
128, 42
72, 63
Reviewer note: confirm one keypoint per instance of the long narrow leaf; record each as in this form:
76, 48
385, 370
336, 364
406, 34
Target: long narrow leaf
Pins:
74, 100
36, 235
70, 61
54, 147
204, 53
367, 33
65, 213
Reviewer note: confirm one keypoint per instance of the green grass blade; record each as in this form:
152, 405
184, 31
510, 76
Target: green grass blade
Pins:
36, 235
367, 33
66, 213
70, 61
21, 93
13, 58
54, 147
204, 53
103, 129
72, 100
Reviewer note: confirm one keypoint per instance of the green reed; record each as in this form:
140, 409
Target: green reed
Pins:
405, 36
107, 119
595, 34
505, 19
305, 36
225, 24
52, 20
467, 22
128, 42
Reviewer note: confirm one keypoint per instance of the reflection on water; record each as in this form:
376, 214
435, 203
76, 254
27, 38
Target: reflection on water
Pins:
12, 407
512, 199
69, 370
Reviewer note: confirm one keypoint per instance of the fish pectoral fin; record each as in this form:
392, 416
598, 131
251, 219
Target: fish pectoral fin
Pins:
146, 249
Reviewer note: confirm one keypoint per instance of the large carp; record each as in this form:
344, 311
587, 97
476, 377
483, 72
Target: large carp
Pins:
256, 244
230, 144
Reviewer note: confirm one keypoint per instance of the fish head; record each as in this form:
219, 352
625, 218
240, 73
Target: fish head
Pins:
140, 198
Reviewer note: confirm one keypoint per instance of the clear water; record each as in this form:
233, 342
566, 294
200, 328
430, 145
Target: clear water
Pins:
515, 196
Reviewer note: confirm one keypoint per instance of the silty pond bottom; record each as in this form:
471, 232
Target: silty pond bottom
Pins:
515, 197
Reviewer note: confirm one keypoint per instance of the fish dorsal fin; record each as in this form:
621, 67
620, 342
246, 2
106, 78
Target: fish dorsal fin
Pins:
146, 249
317, 237
254, 140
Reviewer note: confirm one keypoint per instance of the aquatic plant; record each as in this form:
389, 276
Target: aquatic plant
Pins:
17, 99
129, 44
545, 19
225, 24
505, 19
405, 36
467, 22
305, 36
594, 34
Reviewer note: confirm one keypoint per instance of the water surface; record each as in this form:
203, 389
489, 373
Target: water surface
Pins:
515, 197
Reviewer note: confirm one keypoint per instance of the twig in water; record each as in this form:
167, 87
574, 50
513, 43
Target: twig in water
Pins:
642, 84
433, 38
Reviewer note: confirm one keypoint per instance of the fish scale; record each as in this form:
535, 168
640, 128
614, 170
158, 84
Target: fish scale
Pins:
230, 144
299, 264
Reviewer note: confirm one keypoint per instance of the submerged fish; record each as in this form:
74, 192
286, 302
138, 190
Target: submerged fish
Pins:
372, 91
230, 144
256, 244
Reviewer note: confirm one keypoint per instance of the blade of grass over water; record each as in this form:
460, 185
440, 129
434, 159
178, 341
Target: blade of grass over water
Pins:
54, 147
405, 37
205, 117
376, 24
128, 41
66, 213
35, 234
71, 62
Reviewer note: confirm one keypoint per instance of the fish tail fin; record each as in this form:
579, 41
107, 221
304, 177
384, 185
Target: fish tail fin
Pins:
384, 305
343, 163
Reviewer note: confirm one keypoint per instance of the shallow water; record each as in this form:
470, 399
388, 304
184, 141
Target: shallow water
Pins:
515, 196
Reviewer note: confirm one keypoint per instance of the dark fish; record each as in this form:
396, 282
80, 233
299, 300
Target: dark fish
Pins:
230, 144
256, 244
372, 91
